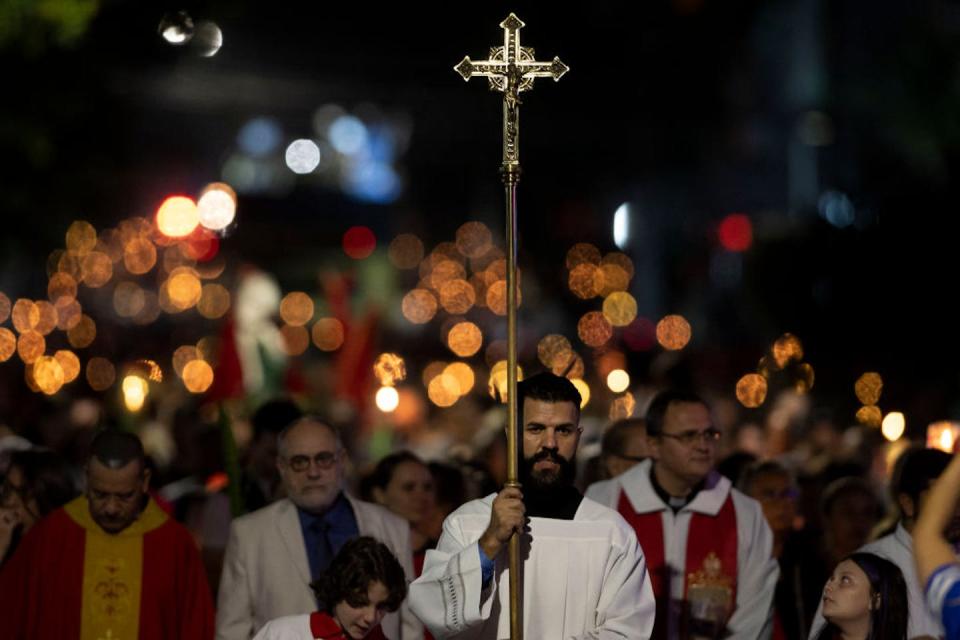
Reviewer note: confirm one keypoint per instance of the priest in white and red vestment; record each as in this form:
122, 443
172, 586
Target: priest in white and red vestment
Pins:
110, 565
708, 546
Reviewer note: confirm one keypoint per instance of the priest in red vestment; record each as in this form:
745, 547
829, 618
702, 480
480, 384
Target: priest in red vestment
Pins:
708, 546
110, 565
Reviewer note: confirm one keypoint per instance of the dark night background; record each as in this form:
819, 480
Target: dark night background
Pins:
688, 110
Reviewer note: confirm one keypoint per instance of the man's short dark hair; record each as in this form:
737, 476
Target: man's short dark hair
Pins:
842, 487
759, 469
547, 387
274, 415
116, 449
657, 410
358, 563
615, 437
382, 474
915, 470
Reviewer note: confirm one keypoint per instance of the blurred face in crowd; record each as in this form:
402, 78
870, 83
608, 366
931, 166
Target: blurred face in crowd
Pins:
116, 496
551, 432
847, 597
360, 618
778, 498
310, 460
410, 492
850, 520
634, 450
686, 450
263, 455
16, 500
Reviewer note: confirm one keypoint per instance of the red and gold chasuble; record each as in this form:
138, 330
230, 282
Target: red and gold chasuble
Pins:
70, 579
710, 570
112, 573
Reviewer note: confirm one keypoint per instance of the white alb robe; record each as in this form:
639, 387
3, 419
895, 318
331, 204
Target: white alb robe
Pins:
582, 579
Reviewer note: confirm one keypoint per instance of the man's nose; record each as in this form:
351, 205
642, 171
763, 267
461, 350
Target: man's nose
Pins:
550, 439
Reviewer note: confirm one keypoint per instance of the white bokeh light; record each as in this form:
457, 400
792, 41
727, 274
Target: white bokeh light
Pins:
387, 399
618, 380
893, 426
217, 207
621, 226
303, 156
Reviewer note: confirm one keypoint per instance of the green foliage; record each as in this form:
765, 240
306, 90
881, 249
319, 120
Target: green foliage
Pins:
36, 25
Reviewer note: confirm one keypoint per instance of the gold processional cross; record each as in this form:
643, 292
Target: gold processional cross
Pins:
512, 69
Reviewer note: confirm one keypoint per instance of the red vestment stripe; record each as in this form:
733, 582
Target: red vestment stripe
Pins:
707, 534
649, 530
323, 627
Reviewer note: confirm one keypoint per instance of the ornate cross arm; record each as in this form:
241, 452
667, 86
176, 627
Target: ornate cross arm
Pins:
511, 69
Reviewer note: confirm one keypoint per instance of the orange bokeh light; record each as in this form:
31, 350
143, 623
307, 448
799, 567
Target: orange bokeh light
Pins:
70, 364
674, 332
81, 237
48, 318
581, 253
594, 329
457, 296
25, 315
752, 390
465, 339
419, 306
101, 374
139, 255
83, 334
96, 269
197, 376
405, 251
296, 308
296, 339
30, 346
69, 313
327, 334
48, 374
8, 344
61, 285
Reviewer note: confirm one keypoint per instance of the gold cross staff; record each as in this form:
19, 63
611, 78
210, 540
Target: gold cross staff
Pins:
510, 70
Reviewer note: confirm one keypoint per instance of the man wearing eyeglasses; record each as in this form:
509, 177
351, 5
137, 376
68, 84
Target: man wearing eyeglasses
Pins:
275, 553
707, 545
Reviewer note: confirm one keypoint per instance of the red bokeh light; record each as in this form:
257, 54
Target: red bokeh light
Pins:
359, 242
640, 335
202, 245
736, 232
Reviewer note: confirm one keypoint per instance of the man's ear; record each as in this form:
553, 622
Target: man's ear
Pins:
145, 482
379, 496
653, 444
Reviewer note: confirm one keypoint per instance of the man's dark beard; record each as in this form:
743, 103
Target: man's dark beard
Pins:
546, 482
550, 495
